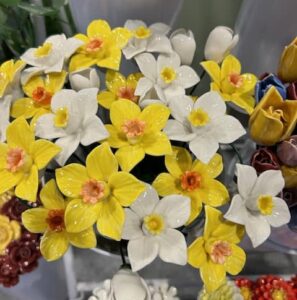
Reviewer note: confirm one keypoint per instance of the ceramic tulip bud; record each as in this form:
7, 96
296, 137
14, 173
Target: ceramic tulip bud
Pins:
84, 79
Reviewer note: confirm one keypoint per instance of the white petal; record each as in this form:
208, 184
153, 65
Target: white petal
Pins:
84, 79
46, 129
133, 24
204, 148
173, 247
187, 77
159, 43
27, 74
171, 60
246, 179
5, 103
147, 65
145, 102
63, 98
132, 227
93, 131
146, 202
258, 229
56, 67
58, 40
132, 50
280, 213
143, 86
88, 101
29, 58
173, 90
237, 211
175, 209
270, 182
142, 252
160, 28
68, 144
180, 107
71, 45
160, 93
178, 132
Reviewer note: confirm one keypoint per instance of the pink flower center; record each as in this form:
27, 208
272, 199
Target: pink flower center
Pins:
127, 93
190, 180
92, 191
220, 251
41, 96
94, 45
235, 79
133, 128
15, 159
55, 220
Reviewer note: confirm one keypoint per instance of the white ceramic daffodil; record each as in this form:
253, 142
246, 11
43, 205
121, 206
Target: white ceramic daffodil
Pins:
146, 39
163, 79
257, 206
162, 291
150, 228
50, 56
204, 124
84, 79
73, 121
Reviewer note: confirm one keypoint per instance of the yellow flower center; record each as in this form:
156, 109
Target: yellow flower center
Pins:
220, 251
198, 117
190, 181
154, 224
15, 159
133, 129
168, 74
126, 92
265, 204
41, 96
236, 80
92, 191
246, 293
142, 32
279, 295
55, 220
43, 50
61, 117
94, 45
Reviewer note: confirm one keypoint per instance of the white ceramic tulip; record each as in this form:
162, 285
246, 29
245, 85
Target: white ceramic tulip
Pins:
84, 79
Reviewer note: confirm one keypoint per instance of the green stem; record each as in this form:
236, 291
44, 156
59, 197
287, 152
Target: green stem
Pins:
70, 19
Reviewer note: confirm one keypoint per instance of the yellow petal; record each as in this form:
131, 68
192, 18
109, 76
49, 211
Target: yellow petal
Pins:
121, 36
213, 219
122, 111
43, 152
51, 197
16, 229
101, 163
114, 81
81, 61
23, 107
79, 215
106, 98
228, 231
39, 112
84, 239
32, 84
111, 219
35, 219
125, 187
129, 156
9, 180
53, 245
116, 138
155, 117
70, 179
196, 206
196, 253
156, 144
112, 61
178, 162
82, 37
165, 184
213, 70
98, 28
27, 188
213, 169
3, 154
235, 263
133, 79
19, 134
230, 65
55, 81
247, 103
248, 85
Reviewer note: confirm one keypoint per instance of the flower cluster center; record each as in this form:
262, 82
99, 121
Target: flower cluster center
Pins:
94, 45
190, 180
133, 128
279, 294
41, 96
92, 191
220, 251
154, 224
55, 220
61, 117
168, 74
142, 32
198, 117
236, 80
43, 50
265, 204
126, 92
15, 159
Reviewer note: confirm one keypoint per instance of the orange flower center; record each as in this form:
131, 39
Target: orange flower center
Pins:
94, 45
41, 96
133, 128
127, 93
92, 191
15, 159
220, 250
190, 181
235, 79
55, 220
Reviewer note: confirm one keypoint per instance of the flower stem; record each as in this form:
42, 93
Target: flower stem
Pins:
195, 86
122, 254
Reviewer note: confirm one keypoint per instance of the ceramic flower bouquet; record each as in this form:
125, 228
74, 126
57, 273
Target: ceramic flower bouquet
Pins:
139, 160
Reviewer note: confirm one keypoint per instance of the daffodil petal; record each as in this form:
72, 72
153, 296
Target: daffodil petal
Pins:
213, 192
121, 36
55, 81
3, 154
116, 138
166, 184
81, 61
156, 144
9, 180
83, 239
23, 107
129, 156
114, 81
230, 65
98, 28
236, 261
196, 206
32, 84
51, 197
132, 80
213, 70
212, 220
112, 61
106, 98
213, 169
35, 219
196, 253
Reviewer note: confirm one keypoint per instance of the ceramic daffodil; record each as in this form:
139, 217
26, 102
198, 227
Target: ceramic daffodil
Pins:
84, 79
193, 179
119, 87
216, 252
257, 206
50, 56
49, 219
150, 227
73, 121
136, 133
21, 158
99, 192
231, 84
164, 78
204, 124
101, 46
10, 231
146, 39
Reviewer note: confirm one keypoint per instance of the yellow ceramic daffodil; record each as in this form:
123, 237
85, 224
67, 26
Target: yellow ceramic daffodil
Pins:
21, 158
102, 46
119, 88
8, 72
192, 179
9, 231
230, 83
99, 192
137, 132
273, 119
216, 252
39, 91
49, 220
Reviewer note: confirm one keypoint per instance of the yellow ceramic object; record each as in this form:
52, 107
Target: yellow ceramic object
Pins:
290, 176
9, 231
